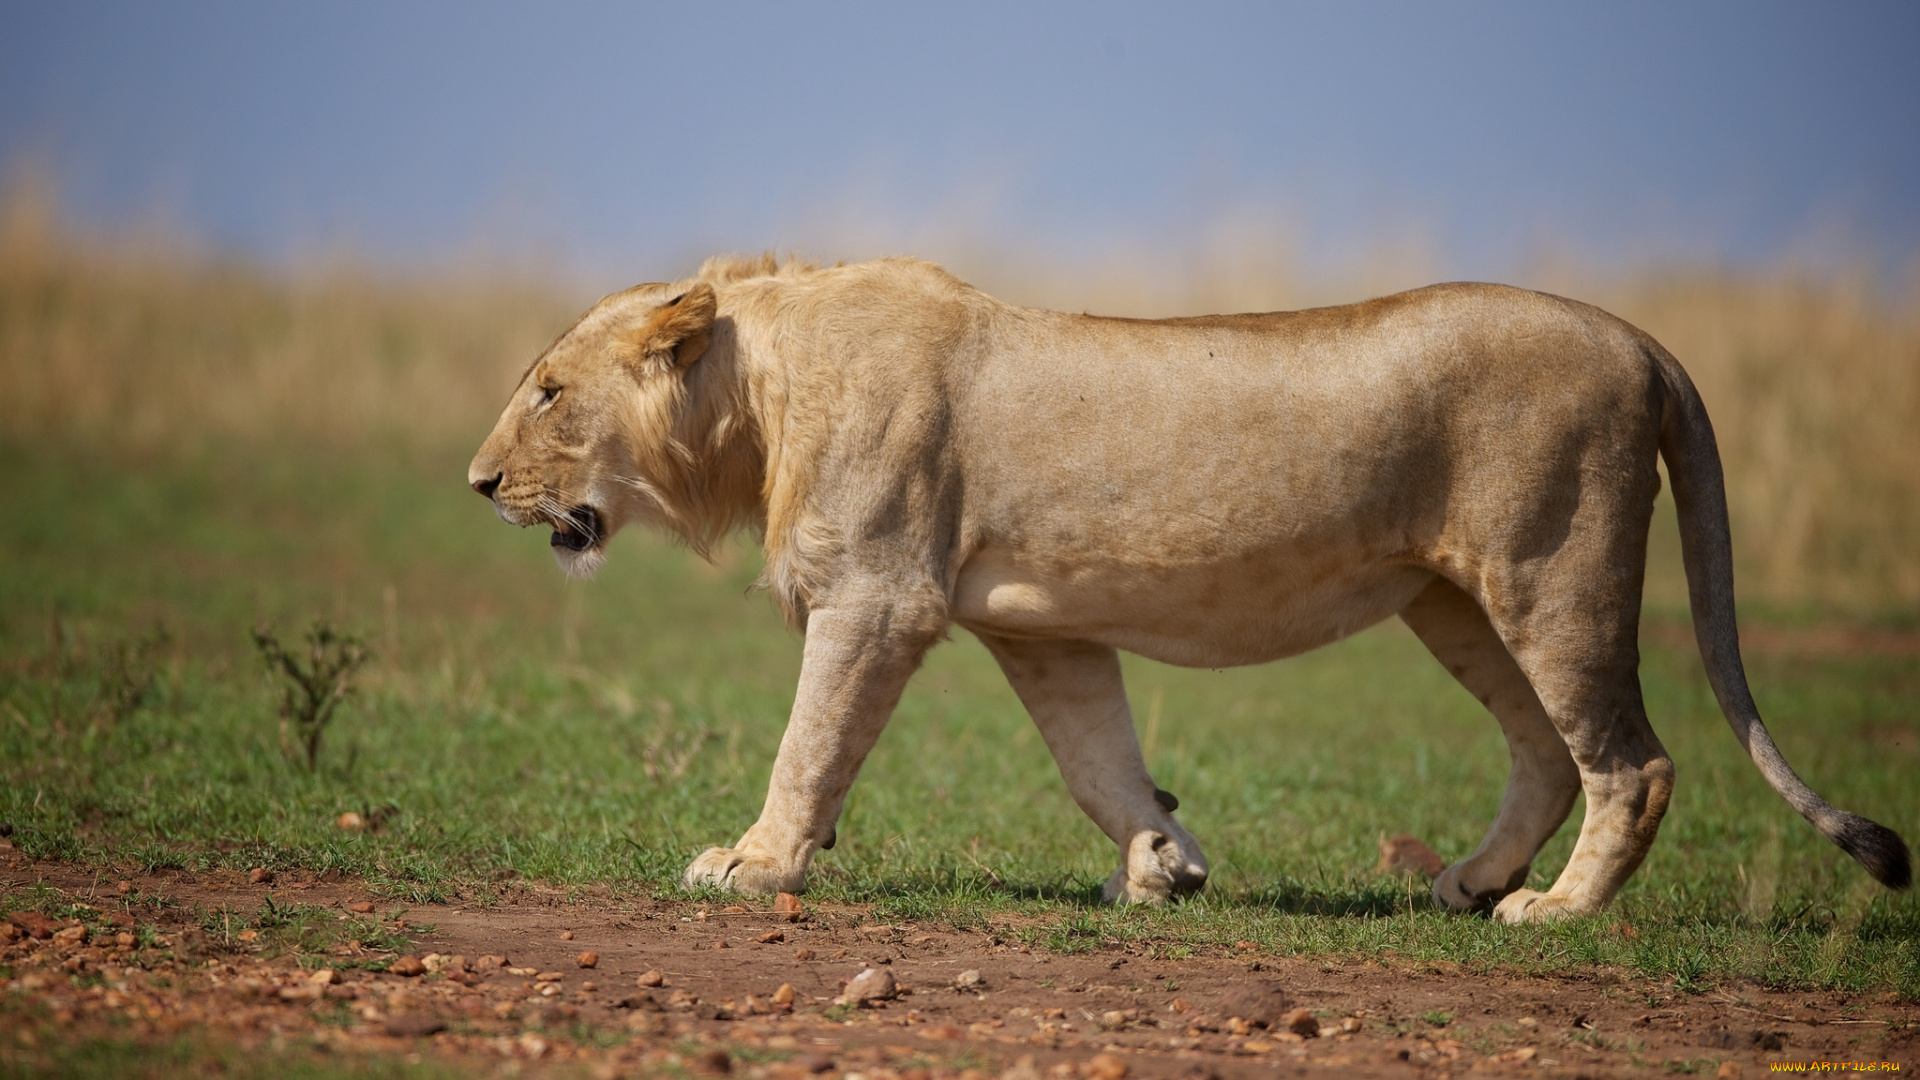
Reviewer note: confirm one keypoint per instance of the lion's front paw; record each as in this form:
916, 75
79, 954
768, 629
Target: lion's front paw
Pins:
732, 868
1159, 867
1455, 889
1529, 906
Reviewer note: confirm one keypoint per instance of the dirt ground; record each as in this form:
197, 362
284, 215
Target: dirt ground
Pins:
503, 988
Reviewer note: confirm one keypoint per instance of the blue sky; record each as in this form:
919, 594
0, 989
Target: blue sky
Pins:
631, 138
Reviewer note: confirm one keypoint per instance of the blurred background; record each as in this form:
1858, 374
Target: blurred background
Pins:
235, 234
268, 272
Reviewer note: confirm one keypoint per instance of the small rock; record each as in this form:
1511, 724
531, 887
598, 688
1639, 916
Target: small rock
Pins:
1023, 1069
1260, 1004
733, 909
1105, 1067
588, 959
1302, 1023
783, 997
301, 991
34, 924
549, 976
771, 937
1728, 1070
413, 1025
566, 935
490, 962
407, 966
788, 907
803, 954
324, 977
259, 875
361, 908
873, 984
1405, 854
641, 1000
350, 822
651, 978
123, 887
124, 940
713, 1061
968, 980
722, 944
72, 935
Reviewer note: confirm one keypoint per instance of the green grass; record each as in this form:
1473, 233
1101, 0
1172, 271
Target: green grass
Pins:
602, 733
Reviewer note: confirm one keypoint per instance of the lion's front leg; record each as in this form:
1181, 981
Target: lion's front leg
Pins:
1073, 691
855, 665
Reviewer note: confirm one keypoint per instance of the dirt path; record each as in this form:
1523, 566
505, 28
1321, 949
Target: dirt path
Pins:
971, 1004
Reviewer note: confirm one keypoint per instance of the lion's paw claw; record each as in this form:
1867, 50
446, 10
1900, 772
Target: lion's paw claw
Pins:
739, 871
1158, 869
1531, 906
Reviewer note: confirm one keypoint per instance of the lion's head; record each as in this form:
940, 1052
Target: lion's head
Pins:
605, 427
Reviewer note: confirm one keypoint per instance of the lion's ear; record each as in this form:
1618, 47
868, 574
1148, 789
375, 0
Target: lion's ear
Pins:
676, 333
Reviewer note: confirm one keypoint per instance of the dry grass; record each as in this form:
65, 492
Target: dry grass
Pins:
1813, 379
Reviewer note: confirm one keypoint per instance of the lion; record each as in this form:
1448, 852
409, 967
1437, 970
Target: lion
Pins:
1478, 460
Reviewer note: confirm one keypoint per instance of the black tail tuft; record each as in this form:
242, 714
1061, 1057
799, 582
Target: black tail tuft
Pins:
1877, 848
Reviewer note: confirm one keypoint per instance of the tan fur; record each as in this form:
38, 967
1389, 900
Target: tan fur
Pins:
1224, 490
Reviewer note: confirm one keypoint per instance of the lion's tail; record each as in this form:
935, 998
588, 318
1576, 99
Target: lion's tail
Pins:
1699, 491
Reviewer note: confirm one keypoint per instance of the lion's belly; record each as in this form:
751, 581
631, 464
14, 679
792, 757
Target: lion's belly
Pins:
1219, 615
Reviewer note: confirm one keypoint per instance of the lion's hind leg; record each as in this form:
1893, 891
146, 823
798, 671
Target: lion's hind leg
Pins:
1074, 693
1582, 659
1543, 781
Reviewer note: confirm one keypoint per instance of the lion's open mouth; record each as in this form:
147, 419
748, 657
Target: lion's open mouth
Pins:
579, 530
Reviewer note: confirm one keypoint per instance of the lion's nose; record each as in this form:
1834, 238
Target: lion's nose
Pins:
488, 487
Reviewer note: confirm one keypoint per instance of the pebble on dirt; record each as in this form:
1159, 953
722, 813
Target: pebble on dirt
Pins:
1302, 1023
408, 966
788, 906
1105, 1067
414, 1025
259, 875
1406, 854
34, 924
588, 959
350, 822
566, 935
1259, 1004
873, 984
651, 978
361, 908
968, 980
771, 937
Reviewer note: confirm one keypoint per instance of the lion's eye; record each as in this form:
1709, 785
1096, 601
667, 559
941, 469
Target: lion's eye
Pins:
548, 393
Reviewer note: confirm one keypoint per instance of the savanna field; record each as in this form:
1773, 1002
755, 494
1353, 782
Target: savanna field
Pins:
191, 449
